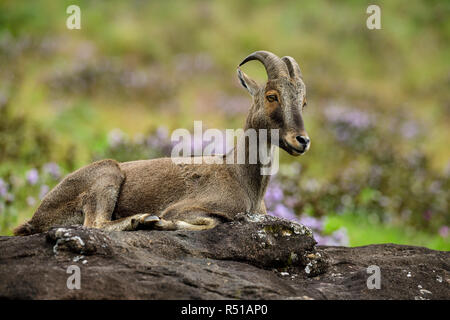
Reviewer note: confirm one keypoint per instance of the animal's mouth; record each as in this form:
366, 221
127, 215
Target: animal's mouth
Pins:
294, 151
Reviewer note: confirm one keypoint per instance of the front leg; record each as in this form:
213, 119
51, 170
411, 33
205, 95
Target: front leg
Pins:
180, 216
131, 223
151, 222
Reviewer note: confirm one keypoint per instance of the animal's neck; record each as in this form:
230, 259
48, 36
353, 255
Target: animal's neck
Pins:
251, 175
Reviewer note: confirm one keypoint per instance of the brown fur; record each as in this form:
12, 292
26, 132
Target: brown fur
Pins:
163, 195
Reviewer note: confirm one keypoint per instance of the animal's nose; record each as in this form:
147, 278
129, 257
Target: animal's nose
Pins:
304, 141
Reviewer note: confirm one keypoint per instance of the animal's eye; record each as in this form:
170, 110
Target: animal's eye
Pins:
272, 98
304, 104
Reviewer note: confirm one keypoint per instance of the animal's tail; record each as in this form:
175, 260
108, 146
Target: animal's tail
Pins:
24, 229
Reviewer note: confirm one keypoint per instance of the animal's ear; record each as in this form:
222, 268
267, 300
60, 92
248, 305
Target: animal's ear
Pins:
247, 83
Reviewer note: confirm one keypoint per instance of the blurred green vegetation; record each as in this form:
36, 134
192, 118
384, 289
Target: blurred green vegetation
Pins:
364, 231
137, 65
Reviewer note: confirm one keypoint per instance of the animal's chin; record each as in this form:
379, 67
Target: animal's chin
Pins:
291, 150
294, 152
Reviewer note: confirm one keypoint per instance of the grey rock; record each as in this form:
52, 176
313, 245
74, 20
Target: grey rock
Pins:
253, 257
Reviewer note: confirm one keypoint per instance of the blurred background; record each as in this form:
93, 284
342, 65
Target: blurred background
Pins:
378, 102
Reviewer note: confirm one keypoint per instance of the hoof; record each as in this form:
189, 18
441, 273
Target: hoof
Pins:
151, 219
144, 221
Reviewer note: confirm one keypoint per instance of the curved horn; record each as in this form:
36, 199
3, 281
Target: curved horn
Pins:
294, 69
273, 64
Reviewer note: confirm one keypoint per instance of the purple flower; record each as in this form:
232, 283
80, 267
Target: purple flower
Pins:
352, 117
162, 133
282, 211
321, 240
337, 238
32, 176
358, 119
314, 223
138, 138
44, 190
134, 79
160, 141
409, 129
341, 237
435, 187
311, 185
274, 194
189, 64
329, 241
53, 170
231, 105
444, 231
116, 137
9, 197
152, 142
3, 188
427, 215
31, 201
291, 202
447, 169
197, 145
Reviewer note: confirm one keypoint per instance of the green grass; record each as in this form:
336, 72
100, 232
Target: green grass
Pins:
363, 230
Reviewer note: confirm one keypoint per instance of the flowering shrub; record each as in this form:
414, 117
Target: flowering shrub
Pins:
381, 172
283, 200
389, 174
17, 191
122, 148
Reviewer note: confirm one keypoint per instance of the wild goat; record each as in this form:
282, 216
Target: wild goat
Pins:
164, 195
